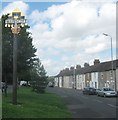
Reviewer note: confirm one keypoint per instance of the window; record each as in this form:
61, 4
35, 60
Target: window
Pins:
95, 84
70, 83
95, 75
111, 75
101, 75
108, 89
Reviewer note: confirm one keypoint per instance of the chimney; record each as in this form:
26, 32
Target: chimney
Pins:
78, 67
71, 68
96, 61
67, 69
86, 65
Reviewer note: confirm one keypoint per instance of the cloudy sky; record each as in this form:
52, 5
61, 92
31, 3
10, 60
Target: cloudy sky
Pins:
69, 33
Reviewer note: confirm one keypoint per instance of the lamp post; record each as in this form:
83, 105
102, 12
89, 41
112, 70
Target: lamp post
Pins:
74, 78
111, 58
15, 21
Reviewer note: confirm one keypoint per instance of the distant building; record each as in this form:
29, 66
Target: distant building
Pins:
98, 75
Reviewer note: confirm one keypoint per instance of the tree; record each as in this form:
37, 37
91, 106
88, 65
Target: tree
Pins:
7, 53
28, 66
39, 79
26, 52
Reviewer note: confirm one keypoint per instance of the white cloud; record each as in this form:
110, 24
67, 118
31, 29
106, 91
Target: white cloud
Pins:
71, 33
52, 67
75, 29
94, 49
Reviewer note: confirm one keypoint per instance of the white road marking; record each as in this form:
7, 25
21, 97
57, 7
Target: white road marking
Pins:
112, 105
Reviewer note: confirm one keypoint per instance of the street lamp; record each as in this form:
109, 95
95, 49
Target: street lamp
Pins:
111, 58
15, 21
74, 78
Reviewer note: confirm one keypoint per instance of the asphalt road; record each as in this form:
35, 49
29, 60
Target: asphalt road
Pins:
87, 106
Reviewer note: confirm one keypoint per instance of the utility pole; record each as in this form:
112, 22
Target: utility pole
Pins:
112, 76
15, 20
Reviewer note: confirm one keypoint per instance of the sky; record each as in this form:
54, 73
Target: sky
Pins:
69, 33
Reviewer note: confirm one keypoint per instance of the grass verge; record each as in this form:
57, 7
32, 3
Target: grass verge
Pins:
33, 105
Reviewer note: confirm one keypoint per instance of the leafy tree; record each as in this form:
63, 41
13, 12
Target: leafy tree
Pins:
51, 79
26, 52
28, 66
7, 52
39, 78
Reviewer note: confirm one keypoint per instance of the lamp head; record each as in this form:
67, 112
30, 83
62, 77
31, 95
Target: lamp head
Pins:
17, 14
15, 19
105, 34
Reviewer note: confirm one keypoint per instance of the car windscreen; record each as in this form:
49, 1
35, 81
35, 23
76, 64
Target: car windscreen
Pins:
92, 89
108, 89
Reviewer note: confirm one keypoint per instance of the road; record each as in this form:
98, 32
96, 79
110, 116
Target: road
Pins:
87, 106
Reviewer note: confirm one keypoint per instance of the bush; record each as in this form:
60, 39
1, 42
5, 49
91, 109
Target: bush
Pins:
39, 85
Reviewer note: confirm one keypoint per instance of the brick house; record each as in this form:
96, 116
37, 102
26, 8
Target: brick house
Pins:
98, 75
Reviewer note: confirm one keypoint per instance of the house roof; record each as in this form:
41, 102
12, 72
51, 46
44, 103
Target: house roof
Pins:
100, 67
105, 66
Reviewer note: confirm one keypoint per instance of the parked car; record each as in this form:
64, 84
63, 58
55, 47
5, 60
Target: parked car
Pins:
24, 83
97, 90
50, 84
89, 91
107, 92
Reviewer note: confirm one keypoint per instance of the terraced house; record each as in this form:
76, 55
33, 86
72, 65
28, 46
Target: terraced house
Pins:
97, 75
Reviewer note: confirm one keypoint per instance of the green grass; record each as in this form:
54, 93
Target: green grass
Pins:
33, 105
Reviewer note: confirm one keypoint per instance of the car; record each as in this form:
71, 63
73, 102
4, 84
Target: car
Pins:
97, 91
24, 83
50, 84
107, 92
89, 91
